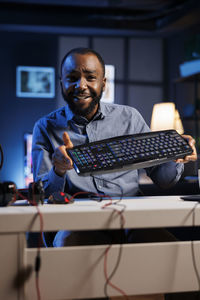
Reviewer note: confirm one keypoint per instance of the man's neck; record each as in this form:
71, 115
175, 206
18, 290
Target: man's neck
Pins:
91, 115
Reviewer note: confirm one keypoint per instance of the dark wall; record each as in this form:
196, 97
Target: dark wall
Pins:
137, 84
182, 92
18, 115
136, 87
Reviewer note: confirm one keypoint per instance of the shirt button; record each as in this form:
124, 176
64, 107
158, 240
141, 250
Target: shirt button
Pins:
100, 186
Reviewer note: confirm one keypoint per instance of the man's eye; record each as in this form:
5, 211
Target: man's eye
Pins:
91, 78
71, 78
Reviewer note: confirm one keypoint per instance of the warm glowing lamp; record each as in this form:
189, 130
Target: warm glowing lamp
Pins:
166, 116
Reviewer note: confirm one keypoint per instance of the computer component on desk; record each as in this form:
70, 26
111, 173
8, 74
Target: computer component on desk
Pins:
129, 152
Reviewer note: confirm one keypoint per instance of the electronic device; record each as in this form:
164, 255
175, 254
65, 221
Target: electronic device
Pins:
129, 152
60, 198
195, 198
7, 192
36, 193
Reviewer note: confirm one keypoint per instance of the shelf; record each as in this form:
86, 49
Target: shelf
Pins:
191, 78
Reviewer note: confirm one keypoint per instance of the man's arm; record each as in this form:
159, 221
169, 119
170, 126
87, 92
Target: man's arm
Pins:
48, 162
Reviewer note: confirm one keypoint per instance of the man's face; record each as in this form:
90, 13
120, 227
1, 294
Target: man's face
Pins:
82, 83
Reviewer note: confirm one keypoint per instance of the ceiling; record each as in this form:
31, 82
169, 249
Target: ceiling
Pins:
134, 16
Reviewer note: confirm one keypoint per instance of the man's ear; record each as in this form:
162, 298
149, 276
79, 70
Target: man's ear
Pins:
104, 83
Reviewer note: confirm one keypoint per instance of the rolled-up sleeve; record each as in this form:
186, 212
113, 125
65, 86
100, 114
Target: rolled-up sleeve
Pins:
42, 151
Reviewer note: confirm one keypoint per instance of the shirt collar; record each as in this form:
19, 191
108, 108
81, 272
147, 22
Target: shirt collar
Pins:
102, 109
101, 113
68, 113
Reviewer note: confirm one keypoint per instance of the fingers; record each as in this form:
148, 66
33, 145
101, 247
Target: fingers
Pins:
193, 156
61, 161
190, 139
64, 157
67, 141
60, 156
191, 142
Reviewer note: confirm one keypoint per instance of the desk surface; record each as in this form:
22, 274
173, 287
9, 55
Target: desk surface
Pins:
144, 268
140, 212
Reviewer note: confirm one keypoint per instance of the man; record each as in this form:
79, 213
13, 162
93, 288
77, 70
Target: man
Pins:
84, 119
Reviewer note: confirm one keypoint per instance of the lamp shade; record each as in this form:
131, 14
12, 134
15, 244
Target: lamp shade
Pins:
165, 116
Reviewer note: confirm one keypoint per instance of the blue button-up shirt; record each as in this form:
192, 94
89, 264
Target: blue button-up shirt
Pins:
110, 121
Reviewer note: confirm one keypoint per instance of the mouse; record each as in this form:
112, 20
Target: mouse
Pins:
60, 198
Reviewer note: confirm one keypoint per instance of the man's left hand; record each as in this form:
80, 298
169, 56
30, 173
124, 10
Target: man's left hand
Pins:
191, 157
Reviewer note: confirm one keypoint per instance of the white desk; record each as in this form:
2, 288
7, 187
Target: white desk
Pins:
77, 272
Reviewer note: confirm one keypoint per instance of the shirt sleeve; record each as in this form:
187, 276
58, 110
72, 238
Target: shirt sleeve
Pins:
42, 151
164, 175
167, 174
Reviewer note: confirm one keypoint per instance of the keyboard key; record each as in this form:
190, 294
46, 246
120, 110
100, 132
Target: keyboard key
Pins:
130, 152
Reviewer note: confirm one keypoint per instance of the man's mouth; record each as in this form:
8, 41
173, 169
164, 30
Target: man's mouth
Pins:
81, 98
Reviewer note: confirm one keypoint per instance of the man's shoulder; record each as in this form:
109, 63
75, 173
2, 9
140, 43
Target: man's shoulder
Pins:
125, 117
54, 115
109, 108
57, 117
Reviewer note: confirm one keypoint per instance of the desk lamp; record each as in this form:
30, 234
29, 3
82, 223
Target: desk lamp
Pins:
166, 116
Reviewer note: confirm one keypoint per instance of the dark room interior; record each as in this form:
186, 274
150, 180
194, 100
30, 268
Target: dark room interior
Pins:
146, 41
131, 231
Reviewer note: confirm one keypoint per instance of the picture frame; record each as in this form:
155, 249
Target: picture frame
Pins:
35, 82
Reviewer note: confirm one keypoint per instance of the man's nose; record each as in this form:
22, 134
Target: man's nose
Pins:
81, 83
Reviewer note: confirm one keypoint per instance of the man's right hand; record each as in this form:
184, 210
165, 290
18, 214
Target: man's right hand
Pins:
61, 161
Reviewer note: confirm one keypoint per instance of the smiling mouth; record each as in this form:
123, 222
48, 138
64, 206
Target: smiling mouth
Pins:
82, 98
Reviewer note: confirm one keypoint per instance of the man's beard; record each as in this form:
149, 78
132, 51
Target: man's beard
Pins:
78, 110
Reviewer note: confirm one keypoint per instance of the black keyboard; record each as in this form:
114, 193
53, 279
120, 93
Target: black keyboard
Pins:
128, 152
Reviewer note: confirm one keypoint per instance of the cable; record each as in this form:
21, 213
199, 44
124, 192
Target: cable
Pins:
108, 278
37, 269
108, 282
89, 195
37, 258
114, 183
122, 222
2, 157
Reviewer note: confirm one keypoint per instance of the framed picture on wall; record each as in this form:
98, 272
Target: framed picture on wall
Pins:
35, 82
109, 93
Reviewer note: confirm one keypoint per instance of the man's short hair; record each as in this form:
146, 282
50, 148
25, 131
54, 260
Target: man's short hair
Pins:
83, 50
